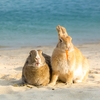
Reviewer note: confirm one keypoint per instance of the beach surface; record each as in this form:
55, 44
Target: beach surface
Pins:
12, 62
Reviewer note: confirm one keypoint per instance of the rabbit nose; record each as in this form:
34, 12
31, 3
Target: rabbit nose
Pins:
36, 59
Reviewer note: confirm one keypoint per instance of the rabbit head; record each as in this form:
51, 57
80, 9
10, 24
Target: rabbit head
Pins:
65, 43
37, 58
62, 33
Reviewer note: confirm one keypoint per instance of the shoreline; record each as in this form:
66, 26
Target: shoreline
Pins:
39, 46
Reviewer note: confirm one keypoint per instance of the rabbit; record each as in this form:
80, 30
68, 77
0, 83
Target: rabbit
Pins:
68, 63
37, 68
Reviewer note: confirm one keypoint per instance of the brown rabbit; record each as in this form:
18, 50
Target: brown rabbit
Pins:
36, 70
68, 63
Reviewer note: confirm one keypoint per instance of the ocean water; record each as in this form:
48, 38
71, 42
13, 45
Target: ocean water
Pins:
33, 22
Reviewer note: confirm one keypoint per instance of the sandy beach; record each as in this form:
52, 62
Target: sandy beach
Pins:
11, 64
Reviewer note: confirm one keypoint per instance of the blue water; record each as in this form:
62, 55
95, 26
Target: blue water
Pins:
33, 22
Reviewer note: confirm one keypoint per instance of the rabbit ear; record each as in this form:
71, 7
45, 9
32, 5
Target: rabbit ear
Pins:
40, 51
70, 38
61, 31
32, 51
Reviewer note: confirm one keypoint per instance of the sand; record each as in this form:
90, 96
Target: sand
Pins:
12, 61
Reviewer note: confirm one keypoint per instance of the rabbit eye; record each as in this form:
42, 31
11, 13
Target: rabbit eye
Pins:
61, 40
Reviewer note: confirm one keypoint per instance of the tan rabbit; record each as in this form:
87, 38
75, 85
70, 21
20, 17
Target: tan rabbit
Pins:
36, 70
68, 63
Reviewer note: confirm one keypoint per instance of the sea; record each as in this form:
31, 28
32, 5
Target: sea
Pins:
31, 23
